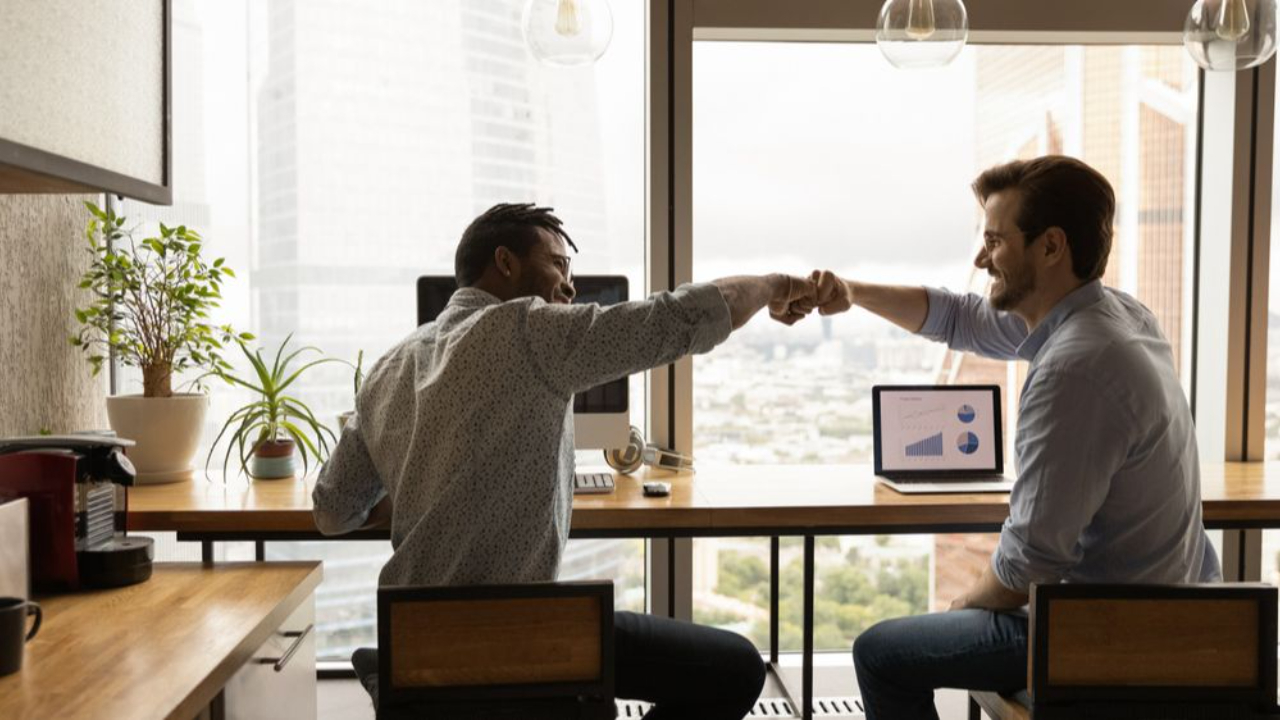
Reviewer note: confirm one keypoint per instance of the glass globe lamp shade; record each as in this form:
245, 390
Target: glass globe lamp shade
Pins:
567, 33
922, 33
1231, 34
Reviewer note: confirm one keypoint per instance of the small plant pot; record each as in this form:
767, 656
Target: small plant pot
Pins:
273, 460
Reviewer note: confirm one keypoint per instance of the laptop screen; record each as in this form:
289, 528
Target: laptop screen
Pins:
937, 429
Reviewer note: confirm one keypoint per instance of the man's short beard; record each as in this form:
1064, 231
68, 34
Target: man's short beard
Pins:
1013, 295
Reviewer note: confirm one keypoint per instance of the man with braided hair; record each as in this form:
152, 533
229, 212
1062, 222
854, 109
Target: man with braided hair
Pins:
463, 436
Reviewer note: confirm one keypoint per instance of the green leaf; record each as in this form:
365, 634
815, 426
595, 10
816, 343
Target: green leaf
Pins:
95, 210
301, 438
300, 370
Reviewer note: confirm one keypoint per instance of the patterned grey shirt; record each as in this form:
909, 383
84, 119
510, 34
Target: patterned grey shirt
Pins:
467, 425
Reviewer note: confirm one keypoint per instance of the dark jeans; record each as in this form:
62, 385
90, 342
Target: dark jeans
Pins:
901, 662
686, 670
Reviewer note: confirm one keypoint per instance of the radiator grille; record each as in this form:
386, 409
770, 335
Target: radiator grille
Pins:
829, 707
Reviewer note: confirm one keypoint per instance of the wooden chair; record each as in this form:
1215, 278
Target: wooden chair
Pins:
1146, 651
492, 651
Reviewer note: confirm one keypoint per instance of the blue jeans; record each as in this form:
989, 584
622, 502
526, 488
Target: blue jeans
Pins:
901, 662
687, 670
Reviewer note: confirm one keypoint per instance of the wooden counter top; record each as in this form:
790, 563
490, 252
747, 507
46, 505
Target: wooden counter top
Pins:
715, 499
160, 649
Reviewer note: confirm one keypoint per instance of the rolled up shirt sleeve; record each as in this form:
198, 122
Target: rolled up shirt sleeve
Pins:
1073, 437
968, 323
576, 347
348, 486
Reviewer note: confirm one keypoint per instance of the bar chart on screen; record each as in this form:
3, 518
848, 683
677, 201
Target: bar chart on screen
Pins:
928, 447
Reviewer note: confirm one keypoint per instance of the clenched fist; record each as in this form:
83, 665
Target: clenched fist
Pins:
832, 295
793, 298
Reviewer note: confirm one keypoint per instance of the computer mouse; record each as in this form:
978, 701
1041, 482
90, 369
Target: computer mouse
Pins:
657, 489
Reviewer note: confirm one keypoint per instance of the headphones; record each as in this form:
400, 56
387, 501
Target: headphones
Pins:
637, 452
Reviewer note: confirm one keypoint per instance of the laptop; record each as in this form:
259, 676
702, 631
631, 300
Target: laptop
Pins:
939, 438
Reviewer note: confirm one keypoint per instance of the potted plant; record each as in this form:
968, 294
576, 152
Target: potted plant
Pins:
269, 431
355, 393
152, 300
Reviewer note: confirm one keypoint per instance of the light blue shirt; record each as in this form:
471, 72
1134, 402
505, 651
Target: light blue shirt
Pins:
1108, 483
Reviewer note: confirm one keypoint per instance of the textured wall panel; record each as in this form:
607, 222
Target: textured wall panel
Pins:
44, 381
85, 79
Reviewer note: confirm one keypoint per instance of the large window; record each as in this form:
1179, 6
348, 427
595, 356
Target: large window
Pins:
335, 152
823, 156
1270, 560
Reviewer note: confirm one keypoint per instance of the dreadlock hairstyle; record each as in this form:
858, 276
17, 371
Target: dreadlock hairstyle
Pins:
510, 225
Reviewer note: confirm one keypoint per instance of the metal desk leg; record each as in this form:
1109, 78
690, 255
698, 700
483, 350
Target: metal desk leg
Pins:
806, 694
774, 621
260, 550
671, 577
206, 551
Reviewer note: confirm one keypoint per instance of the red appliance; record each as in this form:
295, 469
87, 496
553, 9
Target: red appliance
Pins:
76, 489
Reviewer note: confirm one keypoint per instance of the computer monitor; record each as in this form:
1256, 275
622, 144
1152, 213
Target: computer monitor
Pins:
602, 414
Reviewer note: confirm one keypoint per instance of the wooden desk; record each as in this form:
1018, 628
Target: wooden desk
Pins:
160, 649
741, 500
763, 500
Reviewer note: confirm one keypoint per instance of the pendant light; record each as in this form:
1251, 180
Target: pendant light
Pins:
567, 33
1231, 34
922, 33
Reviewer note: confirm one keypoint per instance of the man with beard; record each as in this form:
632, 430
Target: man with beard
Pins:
463, 438
1108, 486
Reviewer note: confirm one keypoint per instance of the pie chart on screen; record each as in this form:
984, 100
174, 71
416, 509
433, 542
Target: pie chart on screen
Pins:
966, 413
967, 443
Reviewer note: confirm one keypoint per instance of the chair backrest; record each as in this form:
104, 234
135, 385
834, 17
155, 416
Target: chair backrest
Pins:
1189, 645
487, 643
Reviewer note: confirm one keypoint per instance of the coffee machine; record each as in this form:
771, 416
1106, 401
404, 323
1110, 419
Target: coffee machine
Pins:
76, 488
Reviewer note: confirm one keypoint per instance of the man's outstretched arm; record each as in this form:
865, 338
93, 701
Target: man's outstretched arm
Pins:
575, 347
964, 322
782, 294
904, 306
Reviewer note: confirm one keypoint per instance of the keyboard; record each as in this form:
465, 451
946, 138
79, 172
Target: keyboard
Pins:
592, 483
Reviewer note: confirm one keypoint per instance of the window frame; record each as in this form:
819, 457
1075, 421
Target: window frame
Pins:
1232, 194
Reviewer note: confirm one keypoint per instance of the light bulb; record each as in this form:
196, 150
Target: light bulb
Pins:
566, 33
920, 24
922, 33
1231, 34
1233, 21
567, 18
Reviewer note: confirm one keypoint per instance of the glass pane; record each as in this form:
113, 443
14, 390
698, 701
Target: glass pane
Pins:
1272, 447
823, 156
332, 153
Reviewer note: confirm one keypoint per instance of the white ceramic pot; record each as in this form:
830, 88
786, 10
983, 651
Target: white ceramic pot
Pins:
167, 431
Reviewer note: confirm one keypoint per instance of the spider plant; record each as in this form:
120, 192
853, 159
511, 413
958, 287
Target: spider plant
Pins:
275, 417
